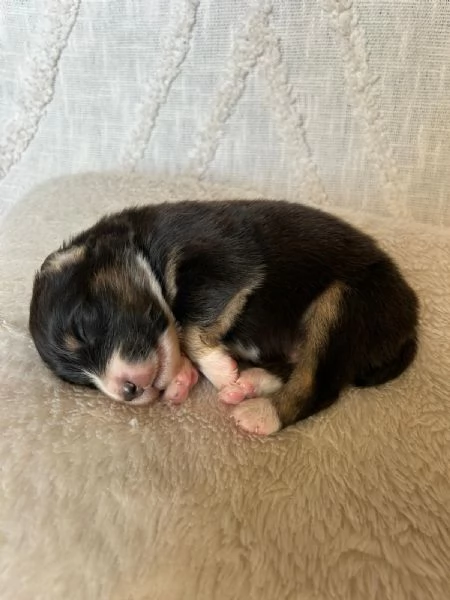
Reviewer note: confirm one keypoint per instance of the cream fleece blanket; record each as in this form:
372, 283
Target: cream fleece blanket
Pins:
99, 501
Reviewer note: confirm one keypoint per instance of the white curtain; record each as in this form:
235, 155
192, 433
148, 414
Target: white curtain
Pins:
333, 102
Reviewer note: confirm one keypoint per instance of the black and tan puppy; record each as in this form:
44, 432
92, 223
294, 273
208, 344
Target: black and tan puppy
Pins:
133, 303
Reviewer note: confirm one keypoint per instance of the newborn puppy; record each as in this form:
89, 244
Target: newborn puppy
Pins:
309, 303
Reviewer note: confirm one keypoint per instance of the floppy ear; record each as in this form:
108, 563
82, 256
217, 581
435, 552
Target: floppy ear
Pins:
60, 259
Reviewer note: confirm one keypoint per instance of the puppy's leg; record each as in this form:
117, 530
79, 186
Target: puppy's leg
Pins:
251, 383
203, 343
204, 348
268, 414
295, 400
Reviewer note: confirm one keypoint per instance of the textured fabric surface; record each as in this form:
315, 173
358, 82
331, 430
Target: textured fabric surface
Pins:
336, 101
100, 501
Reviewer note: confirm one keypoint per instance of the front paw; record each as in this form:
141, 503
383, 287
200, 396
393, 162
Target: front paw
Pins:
219, 368
178, 389
232, 394
250, 384
258, 416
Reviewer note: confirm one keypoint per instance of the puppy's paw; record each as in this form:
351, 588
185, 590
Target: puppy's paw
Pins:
250, 384
232, 394
178, 389
219, 368
258, 382
257, 415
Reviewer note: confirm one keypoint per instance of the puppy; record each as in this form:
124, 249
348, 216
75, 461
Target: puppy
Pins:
141, 300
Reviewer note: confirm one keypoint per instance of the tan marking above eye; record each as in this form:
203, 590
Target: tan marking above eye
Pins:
71, 343
63, 258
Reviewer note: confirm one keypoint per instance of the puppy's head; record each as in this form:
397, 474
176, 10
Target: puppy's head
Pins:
98, 318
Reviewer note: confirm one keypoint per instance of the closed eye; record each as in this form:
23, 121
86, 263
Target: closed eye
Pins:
78, 334
88, 328
86, 323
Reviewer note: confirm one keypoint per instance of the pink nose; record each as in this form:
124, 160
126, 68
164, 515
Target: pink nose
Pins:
129, 380
134, 379
141, 377
130, 391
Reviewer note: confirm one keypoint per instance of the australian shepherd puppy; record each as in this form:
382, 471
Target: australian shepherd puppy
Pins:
278, 305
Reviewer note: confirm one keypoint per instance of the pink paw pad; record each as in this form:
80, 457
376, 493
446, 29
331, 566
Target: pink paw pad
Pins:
259, 382
232, 394
251, 383
247, 385
178, 390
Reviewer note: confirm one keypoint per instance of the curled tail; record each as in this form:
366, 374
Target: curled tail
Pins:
384, 373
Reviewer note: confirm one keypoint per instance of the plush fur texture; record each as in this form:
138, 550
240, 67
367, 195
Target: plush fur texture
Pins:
105, 501
277, 282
